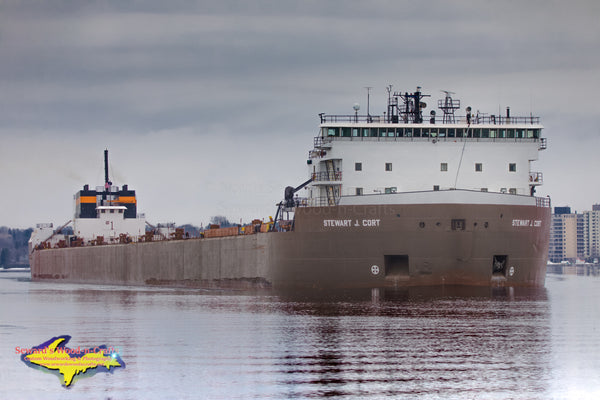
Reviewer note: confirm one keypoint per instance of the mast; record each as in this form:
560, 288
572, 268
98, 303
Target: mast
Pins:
106, 183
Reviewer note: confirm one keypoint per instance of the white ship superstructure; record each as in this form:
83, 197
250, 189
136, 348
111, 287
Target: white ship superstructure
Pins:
398, 153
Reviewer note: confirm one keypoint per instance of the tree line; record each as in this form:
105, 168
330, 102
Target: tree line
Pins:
14, 250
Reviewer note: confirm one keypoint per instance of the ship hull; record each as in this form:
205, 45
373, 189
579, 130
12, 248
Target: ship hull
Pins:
349, 246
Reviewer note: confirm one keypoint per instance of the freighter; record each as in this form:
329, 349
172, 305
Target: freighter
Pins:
391, 200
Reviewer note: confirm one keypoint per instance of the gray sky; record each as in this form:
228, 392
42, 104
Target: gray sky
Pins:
210, 107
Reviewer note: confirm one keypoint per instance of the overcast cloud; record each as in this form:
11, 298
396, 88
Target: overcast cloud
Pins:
210, 107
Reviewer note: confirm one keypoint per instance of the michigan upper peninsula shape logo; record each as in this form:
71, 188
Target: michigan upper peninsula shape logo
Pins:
70, 364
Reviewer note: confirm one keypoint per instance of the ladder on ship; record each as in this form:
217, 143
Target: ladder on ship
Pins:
331, 192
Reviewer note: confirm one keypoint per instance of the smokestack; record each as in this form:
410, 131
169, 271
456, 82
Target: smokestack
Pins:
106, 168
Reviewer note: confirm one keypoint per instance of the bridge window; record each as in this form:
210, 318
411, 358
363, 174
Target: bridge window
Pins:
332, 132
519, 133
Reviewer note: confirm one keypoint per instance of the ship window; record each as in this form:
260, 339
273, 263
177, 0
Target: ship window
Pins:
408, 132
425, 132
512, 191
354, 132
510, 133
346, 132
359, 191
530, 133
388, 166
358, 166
332, 132
485, 133
484, 189
478, 167
512, 167
476, 132
390, 190
433, 132
444, 167
519, 133
436, 187
365, 132
120, 211
459, 132
458, 224
442, 132
112, 211
451, 132
373, 132
417, 132
501, 133
493, 133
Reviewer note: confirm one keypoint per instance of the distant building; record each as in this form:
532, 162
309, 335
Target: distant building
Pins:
591, 233
574, 235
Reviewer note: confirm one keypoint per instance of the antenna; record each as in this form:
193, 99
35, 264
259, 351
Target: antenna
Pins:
448, 105
368, 102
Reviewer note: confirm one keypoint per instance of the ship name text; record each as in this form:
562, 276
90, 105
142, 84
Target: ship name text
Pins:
346, 223
527, 222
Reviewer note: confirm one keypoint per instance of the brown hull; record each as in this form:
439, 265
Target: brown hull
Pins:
362, 246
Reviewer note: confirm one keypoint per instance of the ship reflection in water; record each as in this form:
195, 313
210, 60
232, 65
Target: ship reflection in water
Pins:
444, 342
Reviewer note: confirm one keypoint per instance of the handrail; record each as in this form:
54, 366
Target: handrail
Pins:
475, 120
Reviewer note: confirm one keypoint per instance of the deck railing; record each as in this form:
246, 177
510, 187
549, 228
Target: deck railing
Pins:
428, 120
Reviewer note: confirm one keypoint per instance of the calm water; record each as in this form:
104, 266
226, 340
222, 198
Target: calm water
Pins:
419, 344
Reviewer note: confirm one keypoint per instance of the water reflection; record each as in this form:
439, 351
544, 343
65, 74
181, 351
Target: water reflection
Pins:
419, 341
434, 342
